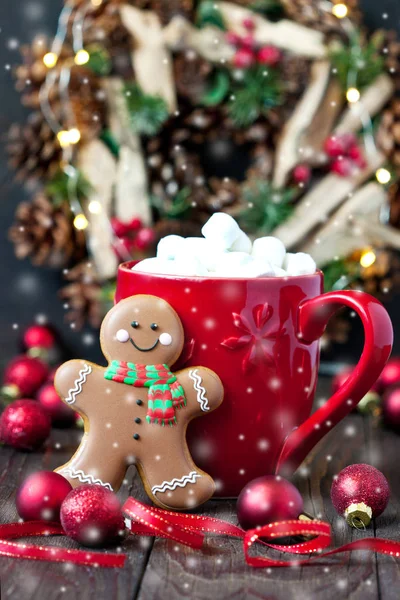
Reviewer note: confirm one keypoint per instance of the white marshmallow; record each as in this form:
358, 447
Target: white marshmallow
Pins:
258, 268
278, 272
230, 263
299, 264
204, 250
188, 266
170, 246
271, 249
221, 229
242, 243
153, 265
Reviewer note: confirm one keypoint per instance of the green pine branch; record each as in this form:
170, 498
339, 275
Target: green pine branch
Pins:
147, 113
260, 90
340, 274
208, 13
272, 9
99, 60
179, 208
267, 207
359, 63
62, 186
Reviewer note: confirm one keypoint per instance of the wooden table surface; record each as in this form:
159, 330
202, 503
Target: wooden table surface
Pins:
161, 569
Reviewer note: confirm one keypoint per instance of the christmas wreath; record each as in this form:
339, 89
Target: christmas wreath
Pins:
149, 115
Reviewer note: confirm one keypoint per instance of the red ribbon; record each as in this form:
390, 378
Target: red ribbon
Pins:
189, 529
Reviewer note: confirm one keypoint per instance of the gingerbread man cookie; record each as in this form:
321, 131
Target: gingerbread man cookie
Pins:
136, 410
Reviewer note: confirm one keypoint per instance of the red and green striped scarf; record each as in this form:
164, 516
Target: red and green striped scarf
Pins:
165, 392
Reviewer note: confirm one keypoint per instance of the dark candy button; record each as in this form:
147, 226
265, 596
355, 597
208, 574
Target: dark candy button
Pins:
136, 436
138, 420
139, 402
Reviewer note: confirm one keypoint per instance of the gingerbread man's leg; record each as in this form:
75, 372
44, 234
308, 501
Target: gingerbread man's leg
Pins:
93, 463
174, 481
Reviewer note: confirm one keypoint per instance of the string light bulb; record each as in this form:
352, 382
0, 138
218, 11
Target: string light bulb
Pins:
383, 176
340, 10
82, 57
68, 137
74, 135
50, 59
353, 95
80, 222
94, 207
97, 2
367, 258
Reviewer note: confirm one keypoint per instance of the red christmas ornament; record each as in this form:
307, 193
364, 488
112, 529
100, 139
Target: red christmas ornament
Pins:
269, 56
24, 425
38, 336
144, 238
244, 58
24, 376
40, 496
301, 174
390, 375
391, 408
266, 500
92, 516
59, 413
360, 493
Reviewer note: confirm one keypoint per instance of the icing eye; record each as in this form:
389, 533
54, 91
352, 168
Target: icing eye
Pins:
154, 326
134, 324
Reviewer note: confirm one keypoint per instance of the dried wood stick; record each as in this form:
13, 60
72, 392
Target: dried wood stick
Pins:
323, 199
150, 58
284, 34
371, 102
98, 165
287, 149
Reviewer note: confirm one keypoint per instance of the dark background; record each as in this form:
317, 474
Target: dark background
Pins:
28, 293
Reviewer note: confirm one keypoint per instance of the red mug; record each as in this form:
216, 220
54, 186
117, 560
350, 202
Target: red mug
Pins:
261, 336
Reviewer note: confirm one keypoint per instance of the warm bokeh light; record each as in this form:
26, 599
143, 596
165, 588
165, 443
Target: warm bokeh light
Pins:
97, 2
367, 258
80, 222
94, 207
82, 57
74, 135
63, 138
383, 176
340, 10
352, 95
50, 59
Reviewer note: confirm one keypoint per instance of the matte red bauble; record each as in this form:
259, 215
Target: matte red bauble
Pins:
24, 425
266, 500
40, 496
360, 493
59, 412
26, 374
391, 408
38, 336
390, 375
92, 516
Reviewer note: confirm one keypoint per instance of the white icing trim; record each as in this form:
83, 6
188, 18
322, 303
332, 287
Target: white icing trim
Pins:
78, 383
83, 478
201, 399
172, 485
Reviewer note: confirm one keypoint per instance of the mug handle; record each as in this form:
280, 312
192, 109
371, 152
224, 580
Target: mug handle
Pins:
313, 317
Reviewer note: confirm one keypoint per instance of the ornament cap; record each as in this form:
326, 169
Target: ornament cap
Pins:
358, 515
38, 352
370, 404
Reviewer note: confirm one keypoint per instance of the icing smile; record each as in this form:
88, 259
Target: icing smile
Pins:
144, 349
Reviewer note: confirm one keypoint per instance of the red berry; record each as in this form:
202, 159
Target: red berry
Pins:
248, 41
344, 167
120, 229
302, 174
244, 58
249, 24
334, 146
144, 238
38, 336
135, 224
269, 56
233, 38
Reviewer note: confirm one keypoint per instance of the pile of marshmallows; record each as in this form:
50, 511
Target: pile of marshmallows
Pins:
225, 251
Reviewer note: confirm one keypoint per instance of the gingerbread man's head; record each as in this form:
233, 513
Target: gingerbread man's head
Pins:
143, 330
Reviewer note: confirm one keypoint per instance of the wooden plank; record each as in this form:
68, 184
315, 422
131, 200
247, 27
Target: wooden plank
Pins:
34, 580
219, 571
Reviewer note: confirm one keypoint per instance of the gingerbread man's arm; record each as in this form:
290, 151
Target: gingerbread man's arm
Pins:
203, 390
69, 381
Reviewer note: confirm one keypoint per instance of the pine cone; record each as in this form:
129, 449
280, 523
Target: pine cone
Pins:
388, 135
167, 9
394, 202
312, 14
33, 149
31, 75
83, 296
46, 233
190, 73
184, 228
87, 104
